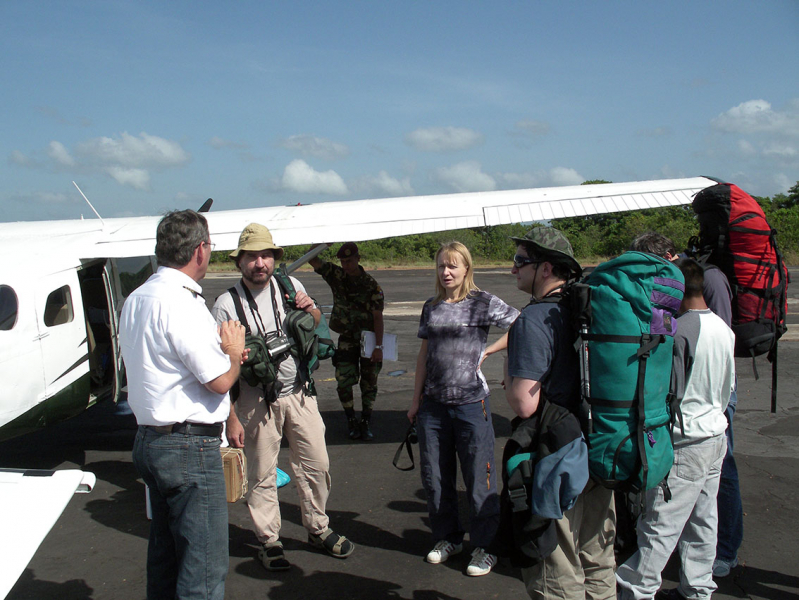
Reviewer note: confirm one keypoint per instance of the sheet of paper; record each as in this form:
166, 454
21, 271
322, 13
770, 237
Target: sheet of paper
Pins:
389, 345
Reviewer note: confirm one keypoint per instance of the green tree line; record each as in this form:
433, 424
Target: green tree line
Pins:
593, 238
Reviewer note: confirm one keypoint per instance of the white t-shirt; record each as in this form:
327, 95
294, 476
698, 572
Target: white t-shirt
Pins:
704, 374
171, 348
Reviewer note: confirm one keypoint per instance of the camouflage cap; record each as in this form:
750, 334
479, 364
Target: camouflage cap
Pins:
255, 238
551, 244
348, 249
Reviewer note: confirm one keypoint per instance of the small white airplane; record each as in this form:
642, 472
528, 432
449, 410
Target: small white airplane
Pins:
63, 283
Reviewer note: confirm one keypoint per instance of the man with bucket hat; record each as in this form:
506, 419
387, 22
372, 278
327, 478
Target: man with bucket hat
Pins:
262, 415
357, 306
542, 366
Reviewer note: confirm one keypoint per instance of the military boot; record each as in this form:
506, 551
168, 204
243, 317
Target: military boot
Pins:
366, 434
352, 424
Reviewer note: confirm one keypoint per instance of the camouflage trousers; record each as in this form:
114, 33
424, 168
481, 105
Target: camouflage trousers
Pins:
351, 369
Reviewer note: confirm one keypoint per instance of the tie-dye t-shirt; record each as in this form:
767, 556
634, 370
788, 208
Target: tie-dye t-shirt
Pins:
456, 337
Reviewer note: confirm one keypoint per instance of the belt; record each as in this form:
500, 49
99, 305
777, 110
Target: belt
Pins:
202, 429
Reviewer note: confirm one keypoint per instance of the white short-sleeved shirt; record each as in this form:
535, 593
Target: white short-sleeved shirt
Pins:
171, 348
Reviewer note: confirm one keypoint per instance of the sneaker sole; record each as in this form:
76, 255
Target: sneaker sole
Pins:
442, 560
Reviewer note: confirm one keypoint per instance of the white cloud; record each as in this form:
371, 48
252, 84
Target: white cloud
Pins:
746, 147
780, 150
299, 176
127, 159
384, 185
135, 178
531, 129
60, 154
18, 158
317, 147
133, 152
554, 177
53, 198
757, 116
467, 176
654, 132
443, 139
565, 176
220, 143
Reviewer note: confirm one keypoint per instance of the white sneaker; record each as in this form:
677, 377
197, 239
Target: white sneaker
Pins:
481, 564
442, 551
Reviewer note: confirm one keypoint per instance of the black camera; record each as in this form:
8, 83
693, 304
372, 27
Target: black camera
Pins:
412, 436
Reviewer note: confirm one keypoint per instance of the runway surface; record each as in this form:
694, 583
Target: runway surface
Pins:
97, 549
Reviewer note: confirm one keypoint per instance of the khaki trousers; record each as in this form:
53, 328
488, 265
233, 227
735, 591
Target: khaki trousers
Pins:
582, 566
295, 416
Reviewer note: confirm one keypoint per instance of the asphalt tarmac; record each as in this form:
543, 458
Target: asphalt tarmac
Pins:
98, 547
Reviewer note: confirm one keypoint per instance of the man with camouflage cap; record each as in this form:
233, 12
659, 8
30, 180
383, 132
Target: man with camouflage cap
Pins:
542, 365
357, 306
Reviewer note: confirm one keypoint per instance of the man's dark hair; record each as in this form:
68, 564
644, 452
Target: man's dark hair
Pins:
654, 243
694, 277
178, 234
560, 269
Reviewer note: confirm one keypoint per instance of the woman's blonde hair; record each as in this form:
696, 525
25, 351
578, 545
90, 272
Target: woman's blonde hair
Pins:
457, 250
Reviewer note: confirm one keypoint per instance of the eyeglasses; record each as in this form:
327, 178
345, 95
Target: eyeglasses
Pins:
520, 261
210, 245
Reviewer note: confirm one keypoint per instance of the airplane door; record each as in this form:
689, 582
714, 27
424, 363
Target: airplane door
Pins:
122, 276
21, 369
62, 333
113, 324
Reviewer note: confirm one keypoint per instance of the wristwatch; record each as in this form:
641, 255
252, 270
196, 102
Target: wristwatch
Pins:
380, 347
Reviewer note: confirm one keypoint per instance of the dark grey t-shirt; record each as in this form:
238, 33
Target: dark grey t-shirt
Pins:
541, 348
456, 339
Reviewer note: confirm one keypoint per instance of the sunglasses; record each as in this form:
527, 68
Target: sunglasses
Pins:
520, 261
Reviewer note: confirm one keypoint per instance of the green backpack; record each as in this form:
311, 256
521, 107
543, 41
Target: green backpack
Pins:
626, 343
312, 343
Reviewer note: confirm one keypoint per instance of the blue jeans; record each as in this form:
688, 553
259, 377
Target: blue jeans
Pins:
731, 514
187, 556
465, 431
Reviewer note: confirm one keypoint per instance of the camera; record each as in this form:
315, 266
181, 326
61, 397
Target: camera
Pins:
278, 345
412, 436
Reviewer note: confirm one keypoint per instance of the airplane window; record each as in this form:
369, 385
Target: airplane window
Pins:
133, 272
58, 309
8, 308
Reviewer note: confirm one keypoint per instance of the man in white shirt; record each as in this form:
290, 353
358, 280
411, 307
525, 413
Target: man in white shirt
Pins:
263, 415
682, 513
180, 367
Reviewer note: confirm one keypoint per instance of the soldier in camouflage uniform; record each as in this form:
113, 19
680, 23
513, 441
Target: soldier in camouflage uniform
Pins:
357, 306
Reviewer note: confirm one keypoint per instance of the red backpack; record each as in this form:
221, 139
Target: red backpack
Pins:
735, 236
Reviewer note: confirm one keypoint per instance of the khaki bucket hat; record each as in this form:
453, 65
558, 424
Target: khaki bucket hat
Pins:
256, 237
552, 245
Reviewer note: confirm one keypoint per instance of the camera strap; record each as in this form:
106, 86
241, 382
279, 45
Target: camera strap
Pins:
259, 322
406, 443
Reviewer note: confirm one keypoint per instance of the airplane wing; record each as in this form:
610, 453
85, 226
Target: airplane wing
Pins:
360, 220
30, 503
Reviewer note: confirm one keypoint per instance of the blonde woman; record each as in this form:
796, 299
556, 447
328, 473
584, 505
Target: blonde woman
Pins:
451, 407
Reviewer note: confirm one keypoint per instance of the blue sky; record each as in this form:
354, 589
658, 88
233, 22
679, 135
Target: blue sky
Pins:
150, 106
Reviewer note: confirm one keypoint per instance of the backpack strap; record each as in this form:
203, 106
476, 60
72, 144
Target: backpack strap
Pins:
234, 294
